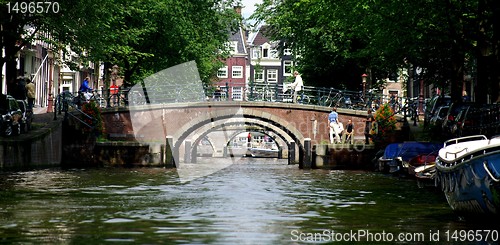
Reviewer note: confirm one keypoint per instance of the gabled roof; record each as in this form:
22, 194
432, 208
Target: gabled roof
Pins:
239, 37
261, 36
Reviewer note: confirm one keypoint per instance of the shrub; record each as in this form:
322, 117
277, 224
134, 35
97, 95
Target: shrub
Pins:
386, 122
94, 111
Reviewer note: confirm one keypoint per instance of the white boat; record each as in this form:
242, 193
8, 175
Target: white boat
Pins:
468, 172
262, 152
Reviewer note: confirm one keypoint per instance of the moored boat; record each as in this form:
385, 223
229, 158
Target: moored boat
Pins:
397, 155
423, 162
262, 152
468, 172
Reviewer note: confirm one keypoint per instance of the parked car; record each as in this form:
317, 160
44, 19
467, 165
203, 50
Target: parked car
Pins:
453, 111
468, 121
11, 116
433, 104
439, 116
27, 114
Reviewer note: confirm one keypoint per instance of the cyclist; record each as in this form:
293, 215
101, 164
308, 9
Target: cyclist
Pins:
85, 89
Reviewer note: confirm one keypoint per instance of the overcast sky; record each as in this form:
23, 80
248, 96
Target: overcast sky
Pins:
249, 7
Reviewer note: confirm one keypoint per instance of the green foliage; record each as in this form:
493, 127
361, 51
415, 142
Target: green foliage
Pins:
343, 39
141, 37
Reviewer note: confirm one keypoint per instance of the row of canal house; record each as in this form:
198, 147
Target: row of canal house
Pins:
255, 61
48, 70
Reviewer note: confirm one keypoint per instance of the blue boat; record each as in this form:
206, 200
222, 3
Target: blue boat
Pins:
397, 155
468, 172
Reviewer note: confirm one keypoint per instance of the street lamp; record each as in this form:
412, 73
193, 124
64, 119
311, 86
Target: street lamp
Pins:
364, 84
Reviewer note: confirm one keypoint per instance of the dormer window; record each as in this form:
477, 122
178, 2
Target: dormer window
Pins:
265, 53
266, 50
234, 47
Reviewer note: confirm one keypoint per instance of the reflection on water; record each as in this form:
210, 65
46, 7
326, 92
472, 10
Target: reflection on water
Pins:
261, 201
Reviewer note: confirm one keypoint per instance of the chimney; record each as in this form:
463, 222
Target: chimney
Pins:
237, 9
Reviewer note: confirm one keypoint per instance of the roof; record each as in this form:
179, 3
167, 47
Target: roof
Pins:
239, 37
261, 36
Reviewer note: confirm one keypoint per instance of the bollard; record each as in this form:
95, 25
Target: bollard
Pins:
224, 152
187, 151
194, 153
308, 154
291, 153
162, 154
170, 153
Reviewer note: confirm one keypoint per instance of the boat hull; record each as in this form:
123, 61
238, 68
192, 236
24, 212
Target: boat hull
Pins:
258, 152
472, 186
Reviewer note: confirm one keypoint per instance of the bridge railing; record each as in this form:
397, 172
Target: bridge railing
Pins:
269, 92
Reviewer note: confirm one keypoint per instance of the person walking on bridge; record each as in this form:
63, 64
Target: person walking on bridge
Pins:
297, 85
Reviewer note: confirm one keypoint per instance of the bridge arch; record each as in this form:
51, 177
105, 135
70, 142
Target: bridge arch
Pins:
250, 122
261, 118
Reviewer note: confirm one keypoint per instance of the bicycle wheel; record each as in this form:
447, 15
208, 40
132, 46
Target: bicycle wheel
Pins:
304, 99
325, 101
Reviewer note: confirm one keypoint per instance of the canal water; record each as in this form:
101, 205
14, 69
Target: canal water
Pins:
253, 201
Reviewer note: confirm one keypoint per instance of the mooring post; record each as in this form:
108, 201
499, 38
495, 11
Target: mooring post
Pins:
170, 152
224, 151
308, 154
187, 151
291, 153
162, 154
194, 153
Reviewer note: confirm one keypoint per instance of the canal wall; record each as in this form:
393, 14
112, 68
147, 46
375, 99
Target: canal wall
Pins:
131, 154
40, 147
344, 156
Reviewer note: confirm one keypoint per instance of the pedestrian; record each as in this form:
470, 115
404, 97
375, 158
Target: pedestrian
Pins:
30, 93
296, 85
20, 89
217, 94
465, 97
349, 132
368, 125
113, 90
335, 127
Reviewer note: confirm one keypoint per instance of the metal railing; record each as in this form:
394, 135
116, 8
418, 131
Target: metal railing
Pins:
320, 96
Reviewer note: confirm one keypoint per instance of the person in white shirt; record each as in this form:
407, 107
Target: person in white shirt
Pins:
296, 85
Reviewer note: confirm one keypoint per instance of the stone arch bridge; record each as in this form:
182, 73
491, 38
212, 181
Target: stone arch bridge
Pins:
183, 125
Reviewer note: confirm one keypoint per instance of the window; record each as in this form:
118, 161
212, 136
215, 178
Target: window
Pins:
237, 93
287, 67
256, 52
259, 76
237, 71
287, 51
222, 73
265, 53
272, 76
233, 48
274, 53
223, 94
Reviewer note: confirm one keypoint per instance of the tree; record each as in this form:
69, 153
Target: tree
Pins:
446, 39
142, 37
